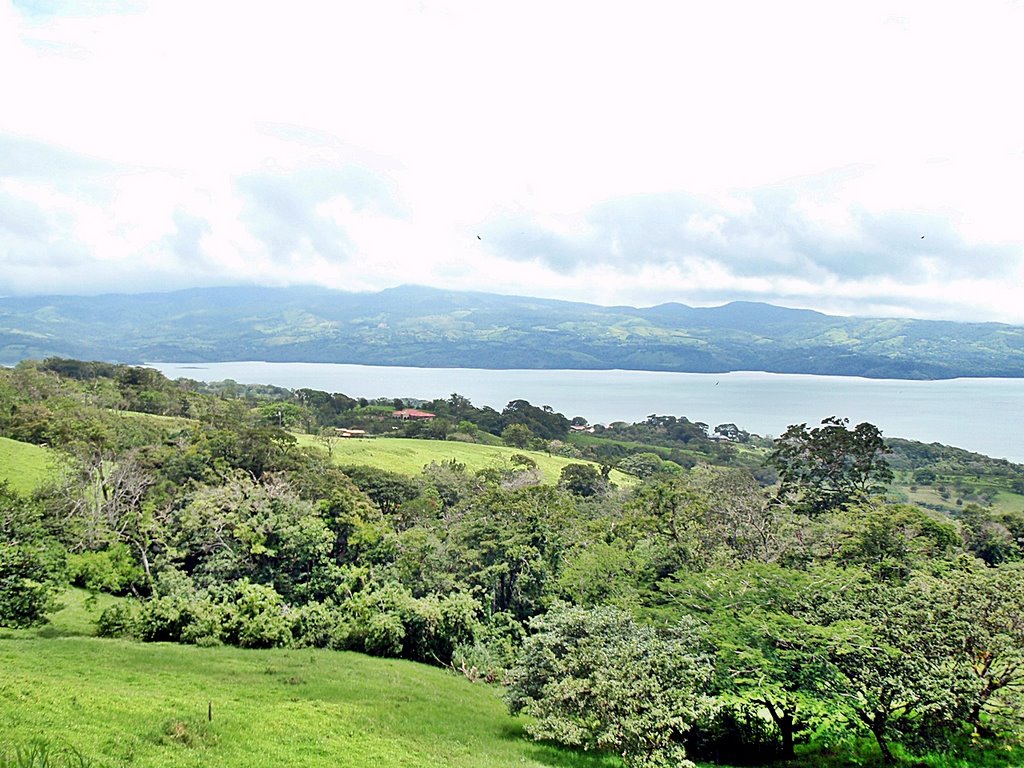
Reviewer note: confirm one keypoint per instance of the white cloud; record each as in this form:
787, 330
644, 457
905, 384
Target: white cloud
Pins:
365, 145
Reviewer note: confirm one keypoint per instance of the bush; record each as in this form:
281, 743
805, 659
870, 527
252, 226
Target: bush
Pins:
385, 635
389, 621
161, 620
492, 652
118, 620
30, 574
318, 625
110, 570
255, 616
202, 623
596, 679
32, 563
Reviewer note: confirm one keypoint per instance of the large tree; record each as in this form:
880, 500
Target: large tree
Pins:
828, 467
900, 654
599, 680
771, 652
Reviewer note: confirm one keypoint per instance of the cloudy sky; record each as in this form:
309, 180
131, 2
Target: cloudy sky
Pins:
857, 157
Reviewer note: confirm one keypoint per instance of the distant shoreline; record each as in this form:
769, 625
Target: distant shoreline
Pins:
968, 413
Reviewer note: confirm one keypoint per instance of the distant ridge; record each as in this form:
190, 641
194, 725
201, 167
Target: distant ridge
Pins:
429, 327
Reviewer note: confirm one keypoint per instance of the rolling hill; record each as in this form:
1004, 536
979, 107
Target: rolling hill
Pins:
427, 327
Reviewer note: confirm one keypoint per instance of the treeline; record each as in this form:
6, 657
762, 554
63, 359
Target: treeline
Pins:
699, 613
519, 424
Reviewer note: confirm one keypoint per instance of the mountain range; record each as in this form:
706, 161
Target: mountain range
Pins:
427, 327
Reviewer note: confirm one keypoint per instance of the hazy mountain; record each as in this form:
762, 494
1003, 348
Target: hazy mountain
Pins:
439, 328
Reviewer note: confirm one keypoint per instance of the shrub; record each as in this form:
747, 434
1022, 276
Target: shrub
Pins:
318, 625
32, 563
202, 623
111, 570
255, 616
598, 680
118, 620
389, 621
385, 635
161, 620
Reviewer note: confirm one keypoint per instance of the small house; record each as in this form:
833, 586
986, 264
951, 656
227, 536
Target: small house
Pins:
412, 413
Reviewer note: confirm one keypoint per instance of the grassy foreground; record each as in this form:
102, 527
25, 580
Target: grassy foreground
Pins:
129, 704
408, 456
120, 703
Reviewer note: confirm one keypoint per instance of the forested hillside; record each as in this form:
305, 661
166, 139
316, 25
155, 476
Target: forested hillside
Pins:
735, 601
436, 328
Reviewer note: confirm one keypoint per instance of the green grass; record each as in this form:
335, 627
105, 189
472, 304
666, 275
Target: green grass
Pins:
75, 616
23, 465
408, 457
129, 704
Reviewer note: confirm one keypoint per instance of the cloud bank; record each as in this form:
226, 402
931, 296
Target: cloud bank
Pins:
862, 160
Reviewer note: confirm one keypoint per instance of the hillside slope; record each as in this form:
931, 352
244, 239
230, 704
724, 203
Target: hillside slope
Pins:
437, 328
123, 703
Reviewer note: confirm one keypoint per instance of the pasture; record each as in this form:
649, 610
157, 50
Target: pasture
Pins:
408, 456
23, 465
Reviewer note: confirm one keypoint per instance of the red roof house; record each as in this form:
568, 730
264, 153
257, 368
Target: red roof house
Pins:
412, 413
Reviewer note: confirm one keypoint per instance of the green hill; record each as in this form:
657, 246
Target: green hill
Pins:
428, 327
129, 704
23, 465
408, 457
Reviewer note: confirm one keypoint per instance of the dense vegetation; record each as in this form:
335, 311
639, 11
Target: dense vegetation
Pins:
738, 601
437, 328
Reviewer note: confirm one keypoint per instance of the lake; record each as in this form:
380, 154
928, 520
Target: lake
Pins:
983, 415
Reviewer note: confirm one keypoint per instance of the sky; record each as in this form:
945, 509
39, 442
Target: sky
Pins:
861, 158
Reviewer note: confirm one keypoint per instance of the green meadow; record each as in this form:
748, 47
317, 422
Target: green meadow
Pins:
22, 465
408, 456
121, 703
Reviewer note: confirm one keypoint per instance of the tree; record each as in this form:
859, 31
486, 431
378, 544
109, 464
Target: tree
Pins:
582, 480
899, 651
542, 421
829, 466
517, 435
645, 464
599, 680
695, 515
388, 490
507, 545
990, 604
31, 563
770, 650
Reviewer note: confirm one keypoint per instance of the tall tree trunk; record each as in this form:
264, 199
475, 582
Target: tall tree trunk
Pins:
878, 729
786, 729
784, 721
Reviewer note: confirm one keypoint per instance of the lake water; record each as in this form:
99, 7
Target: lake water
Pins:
983, 415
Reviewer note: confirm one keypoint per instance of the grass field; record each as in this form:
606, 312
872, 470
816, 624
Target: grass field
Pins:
130, 704
23, 465
408, 457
